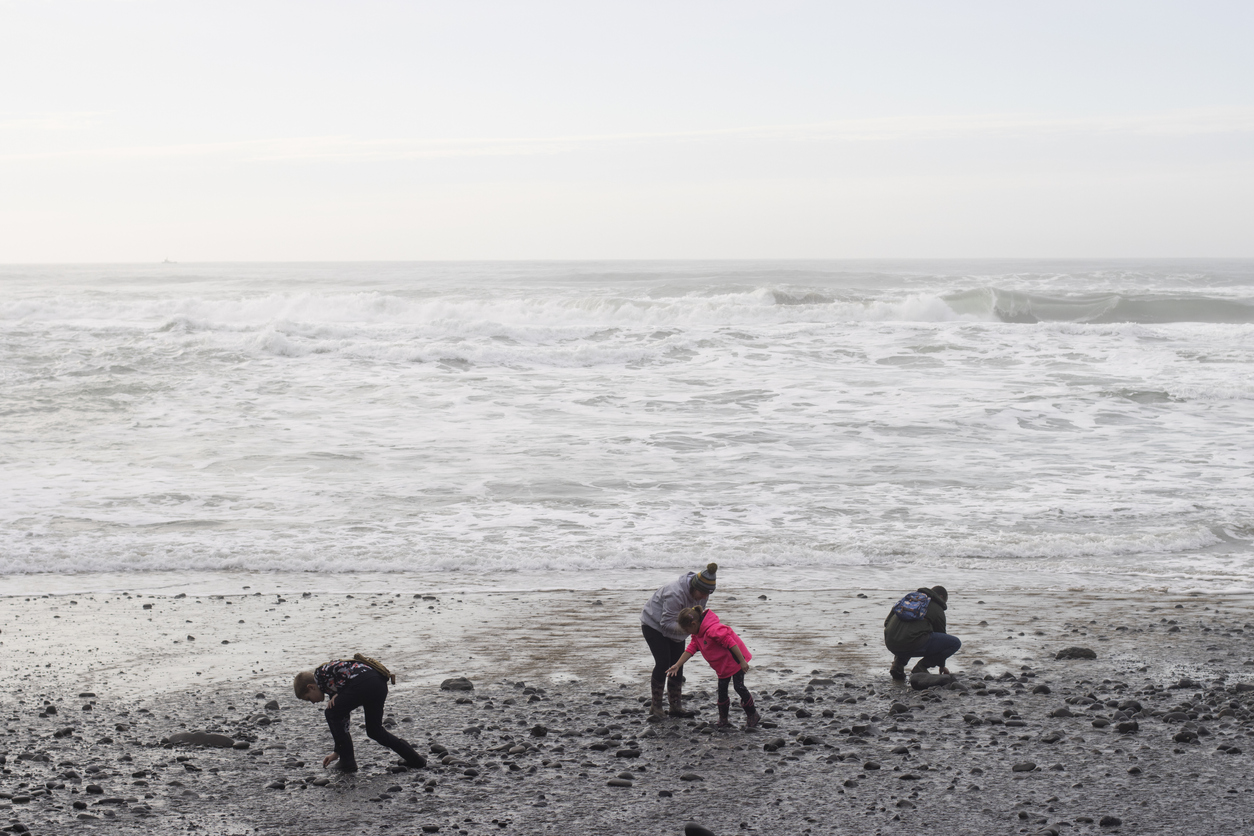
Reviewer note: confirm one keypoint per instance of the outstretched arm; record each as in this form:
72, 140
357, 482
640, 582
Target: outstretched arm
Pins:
674, 669
740, 657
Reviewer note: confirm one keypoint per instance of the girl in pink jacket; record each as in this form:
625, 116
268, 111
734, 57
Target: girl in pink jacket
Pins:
726, 653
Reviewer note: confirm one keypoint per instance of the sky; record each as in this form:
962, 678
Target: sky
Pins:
136, 130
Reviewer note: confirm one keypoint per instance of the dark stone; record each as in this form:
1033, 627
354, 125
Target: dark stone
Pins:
457, 683
1026, 766
618, 782
200, 738
1127, 727
1076, 653
627, 753
920, 681
690, 776
870, 765
1110, 821
539, 730
694, 829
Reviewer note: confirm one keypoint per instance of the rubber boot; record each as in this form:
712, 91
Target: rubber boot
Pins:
897, 671
920, 667
724, 706
752, 717
675, 690
656, 711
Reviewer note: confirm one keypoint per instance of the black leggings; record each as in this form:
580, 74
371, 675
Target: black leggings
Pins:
666, 652
368, 691
738, 682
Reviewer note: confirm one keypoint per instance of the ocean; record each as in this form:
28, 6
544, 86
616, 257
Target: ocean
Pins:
571, 423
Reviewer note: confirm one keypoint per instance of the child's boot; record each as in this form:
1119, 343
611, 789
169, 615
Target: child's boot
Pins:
656, 711
675, 690
752, 717
724, 706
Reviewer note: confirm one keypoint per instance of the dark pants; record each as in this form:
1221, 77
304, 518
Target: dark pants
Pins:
366, 691
666, 652
738, 682
935, 652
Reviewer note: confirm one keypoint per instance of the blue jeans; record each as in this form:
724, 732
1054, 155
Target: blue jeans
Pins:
939, 647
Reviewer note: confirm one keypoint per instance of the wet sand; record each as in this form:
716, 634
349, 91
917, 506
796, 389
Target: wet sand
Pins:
556, 714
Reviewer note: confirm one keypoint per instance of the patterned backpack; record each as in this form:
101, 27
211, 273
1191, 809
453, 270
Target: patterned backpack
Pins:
912, 607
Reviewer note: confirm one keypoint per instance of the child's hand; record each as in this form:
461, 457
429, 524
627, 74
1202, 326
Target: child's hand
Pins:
330, 759
744, 666
672, 670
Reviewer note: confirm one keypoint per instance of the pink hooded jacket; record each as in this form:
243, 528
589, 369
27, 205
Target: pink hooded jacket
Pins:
714, 640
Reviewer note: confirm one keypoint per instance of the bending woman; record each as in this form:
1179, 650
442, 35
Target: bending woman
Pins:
666, 639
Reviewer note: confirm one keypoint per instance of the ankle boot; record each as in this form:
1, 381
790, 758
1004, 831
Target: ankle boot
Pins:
656, 711
724, 706
752, 717
675, 690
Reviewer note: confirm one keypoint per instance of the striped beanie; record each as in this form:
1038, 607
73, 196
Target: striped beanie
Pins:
704, 580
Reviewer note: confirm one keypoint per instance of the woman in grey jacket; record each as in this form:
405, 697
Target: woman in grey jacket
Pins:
666, 640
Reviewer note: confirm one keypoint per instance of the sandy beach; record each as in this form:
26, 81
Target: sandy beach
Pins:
1157, 731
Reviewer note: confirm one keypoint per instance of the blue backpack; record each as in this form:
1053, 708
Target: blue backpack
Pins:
912, 607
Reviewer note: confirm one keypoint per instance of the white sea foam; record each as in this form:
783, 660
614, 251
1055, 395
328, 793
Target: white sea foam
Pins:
568, 418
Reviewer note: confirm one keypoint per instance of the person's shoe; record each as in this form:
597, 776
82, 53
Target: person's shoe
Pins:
897, 671
752, 720
723, 724
919, 668
344, 768
418, 764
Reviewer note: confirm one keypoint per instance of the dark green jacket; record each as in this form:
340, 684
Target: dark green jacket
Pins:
905, 636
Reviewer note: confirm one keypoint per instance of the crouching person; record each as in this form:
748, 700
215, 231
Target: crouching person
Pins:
357, 683
916, 627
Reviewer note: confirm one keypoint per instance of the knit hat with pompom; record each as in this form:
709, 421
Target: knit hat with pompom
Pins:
704, 580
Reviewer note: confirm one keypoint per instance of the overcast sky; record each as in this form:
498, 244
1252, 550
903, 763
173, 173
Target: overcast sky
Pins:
199, 131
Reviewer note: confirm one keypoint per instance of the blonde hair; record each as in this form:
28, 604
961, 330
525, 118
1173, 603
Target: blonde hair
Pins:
690, 618
302, 682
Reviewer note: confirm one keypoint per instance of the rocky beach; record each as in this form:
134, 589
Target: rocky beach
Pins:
1070, 713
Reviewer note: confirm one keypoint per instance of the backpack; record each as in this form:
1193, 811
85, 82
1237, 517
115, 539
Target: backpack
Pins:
376, 664
912, 607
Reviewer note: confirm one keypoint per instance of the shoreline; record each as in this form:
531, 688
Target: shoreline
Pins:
586, 667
